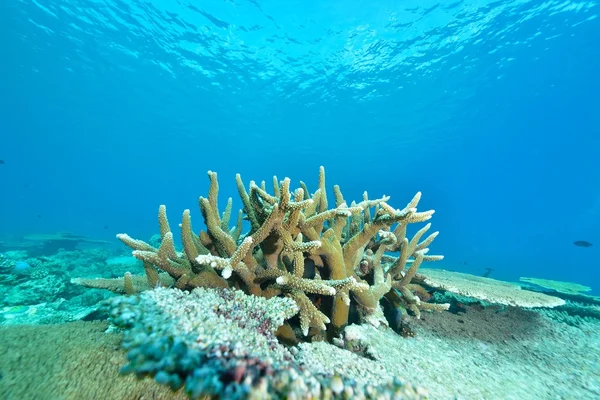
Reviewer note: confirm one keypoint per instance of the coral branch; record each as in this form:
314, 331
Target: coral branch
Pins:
328, 260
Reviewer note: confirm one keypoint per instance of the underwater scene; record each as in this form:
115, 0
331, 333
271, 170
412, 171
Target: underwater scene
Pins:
267, 199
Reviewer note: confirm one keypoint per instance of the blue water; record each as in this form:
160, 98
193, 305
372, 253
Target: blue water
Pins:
490, 108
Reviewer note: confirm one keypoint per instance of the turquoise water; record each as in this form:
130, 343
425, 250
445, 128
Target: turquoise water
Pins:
110, 108
489, 108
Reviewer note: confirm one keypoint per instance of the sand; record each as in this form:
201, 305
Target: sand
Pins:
491, 353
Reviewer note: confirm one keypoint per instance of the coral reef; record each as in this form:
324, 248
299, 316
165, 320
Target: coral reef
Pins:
48, 243
494, 353
330, 261
220, 343
36, 289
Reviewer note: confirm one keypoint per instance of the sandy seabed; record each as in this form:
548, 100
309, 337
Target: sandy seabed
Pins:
494, 353
489, 353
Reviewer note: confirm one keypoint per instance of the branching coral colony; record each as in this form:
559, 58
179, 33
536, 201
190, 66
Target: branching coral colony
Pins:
331, 261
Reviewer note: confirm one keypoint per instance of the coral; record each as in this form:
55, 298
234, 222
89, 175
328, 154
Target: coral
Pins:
327, 260
220, 343
48, 243
578, 306
46, 289
59, 311
568, 288
573, 314
129, 284
487, 289
42, 293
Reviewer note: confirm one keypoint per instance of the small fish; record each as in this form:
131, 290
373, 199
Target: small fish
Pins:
582, 243
487, 272
2, 162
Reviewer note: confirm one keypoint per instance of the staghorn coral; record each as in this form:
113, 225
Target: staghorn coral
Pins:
129, 284
327, 260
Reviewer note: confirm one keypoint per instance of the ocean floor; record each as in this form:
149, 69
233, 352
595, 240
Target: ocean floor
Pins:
484, 353
493, 354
